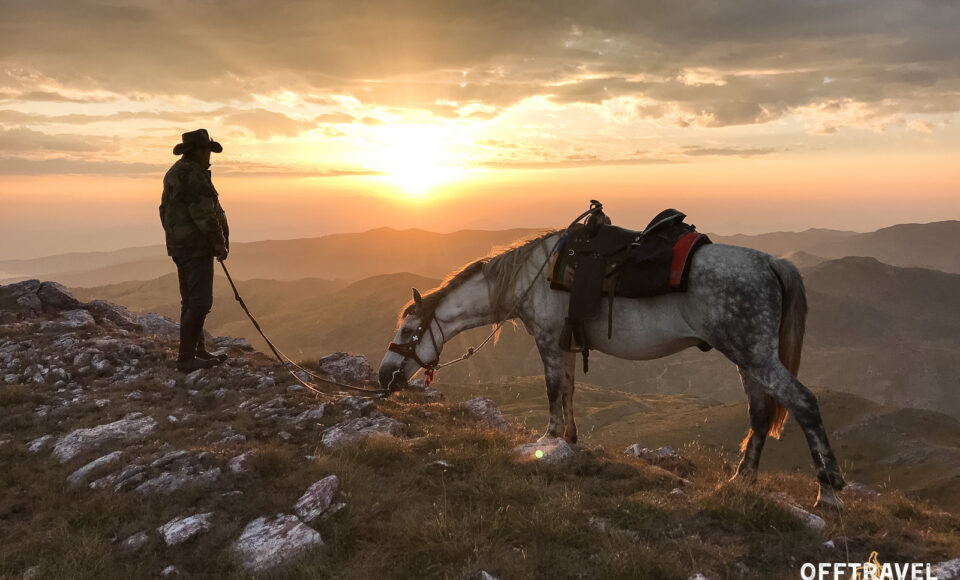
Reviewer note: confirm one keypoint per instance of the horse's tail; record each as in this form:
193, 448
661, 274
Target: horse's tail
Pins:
793, 320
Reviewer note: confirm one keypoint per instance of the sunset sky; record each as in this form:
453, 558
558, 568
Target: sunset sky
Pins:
748, 115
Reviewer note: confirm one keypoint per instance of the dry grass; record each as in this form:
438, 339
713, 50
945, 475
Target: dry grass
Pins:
409, 516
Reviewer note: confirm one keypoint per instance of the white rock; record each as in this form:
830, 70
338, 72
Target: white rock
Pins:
158, 325
547, 450
241, 463
317, 498
40, 443
169, 383
487, 413
103, 310
860, 489
949, 570
70, 320
78, 476
134, 542
314, 414
169, 482
129, 475
270, 542
169, 571
132, 426
698, 576
812, 521
484, 575
351, 369
179, 530
651, 454
359, 429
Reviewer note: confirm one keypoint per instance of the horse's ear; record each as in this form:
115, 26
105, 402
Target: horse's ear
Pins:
417, 299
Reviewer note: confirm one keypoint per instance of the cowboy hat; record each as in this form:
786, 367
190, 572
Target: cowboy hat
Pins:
197, 139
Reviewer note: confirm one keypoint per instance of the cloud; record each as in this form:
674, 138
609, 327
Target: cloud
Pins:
28, 140
708, 64
265, 124
66, 166
576, 161
696, 151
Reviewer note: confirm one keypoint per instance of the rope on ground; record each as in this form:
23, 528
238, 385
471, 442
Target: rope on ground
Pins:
290, 365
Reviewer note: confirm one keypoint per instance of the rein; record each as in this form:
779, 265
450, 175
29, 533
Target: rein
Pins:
287, 362
409, 349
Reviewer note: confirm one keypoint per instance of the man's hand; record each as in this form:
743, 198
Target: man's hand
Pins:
221, 254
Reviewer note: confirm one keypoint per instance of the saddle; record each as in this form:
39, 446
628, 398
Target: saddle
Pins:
598, 259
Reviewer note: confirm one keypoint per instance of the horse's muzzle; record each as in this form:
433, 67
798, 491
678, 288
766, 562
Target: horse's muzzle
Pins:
392, 378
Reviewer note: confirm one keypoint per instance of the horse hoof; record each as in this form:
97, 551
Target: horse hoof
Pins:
828, 498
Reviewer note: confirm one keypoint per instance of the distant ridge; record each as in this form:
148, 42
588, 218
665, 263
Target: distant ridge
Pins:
353, 256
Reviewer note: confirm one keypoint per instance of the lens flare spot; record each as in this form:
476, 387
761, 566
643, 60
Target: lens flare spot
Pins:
539, 454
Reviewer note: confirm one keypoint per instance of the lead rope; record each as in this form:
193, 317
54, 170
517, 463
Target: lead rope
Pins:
287, 362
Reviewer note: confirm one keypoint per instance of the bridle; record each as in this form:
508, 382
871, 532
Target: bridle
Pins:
408, 350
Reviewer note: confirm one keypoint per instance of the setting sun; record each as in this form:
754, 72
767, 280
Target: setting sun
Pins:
416, 158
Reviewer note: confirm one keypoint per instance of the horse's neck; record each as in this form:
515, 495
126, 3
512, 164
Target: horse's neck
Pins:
465, 307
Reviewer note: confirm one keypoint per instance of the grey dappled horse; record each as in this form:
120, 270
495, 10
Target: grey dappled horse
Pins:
746, 304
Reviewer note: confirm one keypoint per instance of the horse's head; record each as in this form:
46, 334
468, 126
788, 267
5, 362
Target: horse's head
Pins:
416, 345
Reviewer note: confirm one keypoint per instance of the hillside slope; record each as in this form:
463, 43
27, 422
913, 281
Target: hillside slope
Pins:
882, 332
115, 466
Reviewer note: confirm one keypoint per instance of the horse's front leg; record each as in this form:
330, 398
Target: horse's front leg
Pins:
558, 371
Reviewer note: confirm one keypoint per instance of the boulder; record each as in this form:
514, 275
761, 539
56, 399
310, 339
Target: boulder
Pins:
126, 477
78, 476
360, 428
179, 530
70, 320
108, 311
860, 489
39, 443
55, 297
949, 570
487, 413
317, 498
170, 481
352, 369
157, 325
134, 542
270, 542
241, 463
311, 415
230, 342
548, 450
132, 426
812, 521
650, 454
354, 406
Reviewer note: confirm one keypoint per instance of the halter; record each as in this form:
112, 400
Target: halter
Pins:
408, 350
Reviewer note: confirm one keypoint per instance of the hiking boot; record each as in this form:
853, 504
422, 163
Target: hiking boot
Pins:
192, 364
204, 355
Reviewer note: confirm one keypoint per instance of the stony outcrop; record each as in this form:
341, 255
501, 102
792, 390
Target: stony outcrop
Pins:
317, 499
270, 542
351, 369
132, 426
179, 530
549, 450
487, 413
359, 429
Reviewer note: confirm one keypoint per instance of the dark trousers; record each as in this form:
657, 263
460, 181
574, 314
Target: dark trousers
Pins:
196, 299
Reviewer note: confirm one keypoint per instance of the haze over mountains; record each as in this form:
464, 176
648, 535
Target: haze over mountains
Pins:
887, 333
386, 250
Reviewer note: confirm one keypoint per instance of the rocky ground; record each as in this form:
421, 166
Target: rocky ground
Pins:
116, 465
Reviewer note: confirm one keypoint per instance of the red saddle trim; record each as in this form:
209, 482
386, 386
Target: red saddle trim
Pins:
681, 253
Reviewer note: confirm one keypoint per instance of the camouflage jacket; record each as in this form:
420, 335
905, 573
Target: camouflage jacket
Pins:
190, 212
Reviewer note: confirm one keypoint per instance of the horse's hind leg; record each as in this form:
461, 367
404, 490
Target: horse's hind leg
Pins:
569, 424
763, 412
784, 387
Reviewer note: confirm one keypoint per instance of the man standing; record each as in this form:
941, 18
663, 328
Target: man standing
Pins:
196, 231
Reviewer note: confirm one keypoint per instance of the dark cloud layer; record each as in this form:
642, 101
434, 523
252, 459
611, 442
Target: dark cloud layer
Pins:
707, 62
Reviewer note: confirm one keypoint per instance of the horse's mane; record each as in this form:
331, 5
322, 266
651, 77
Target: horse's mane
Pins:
500, 267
